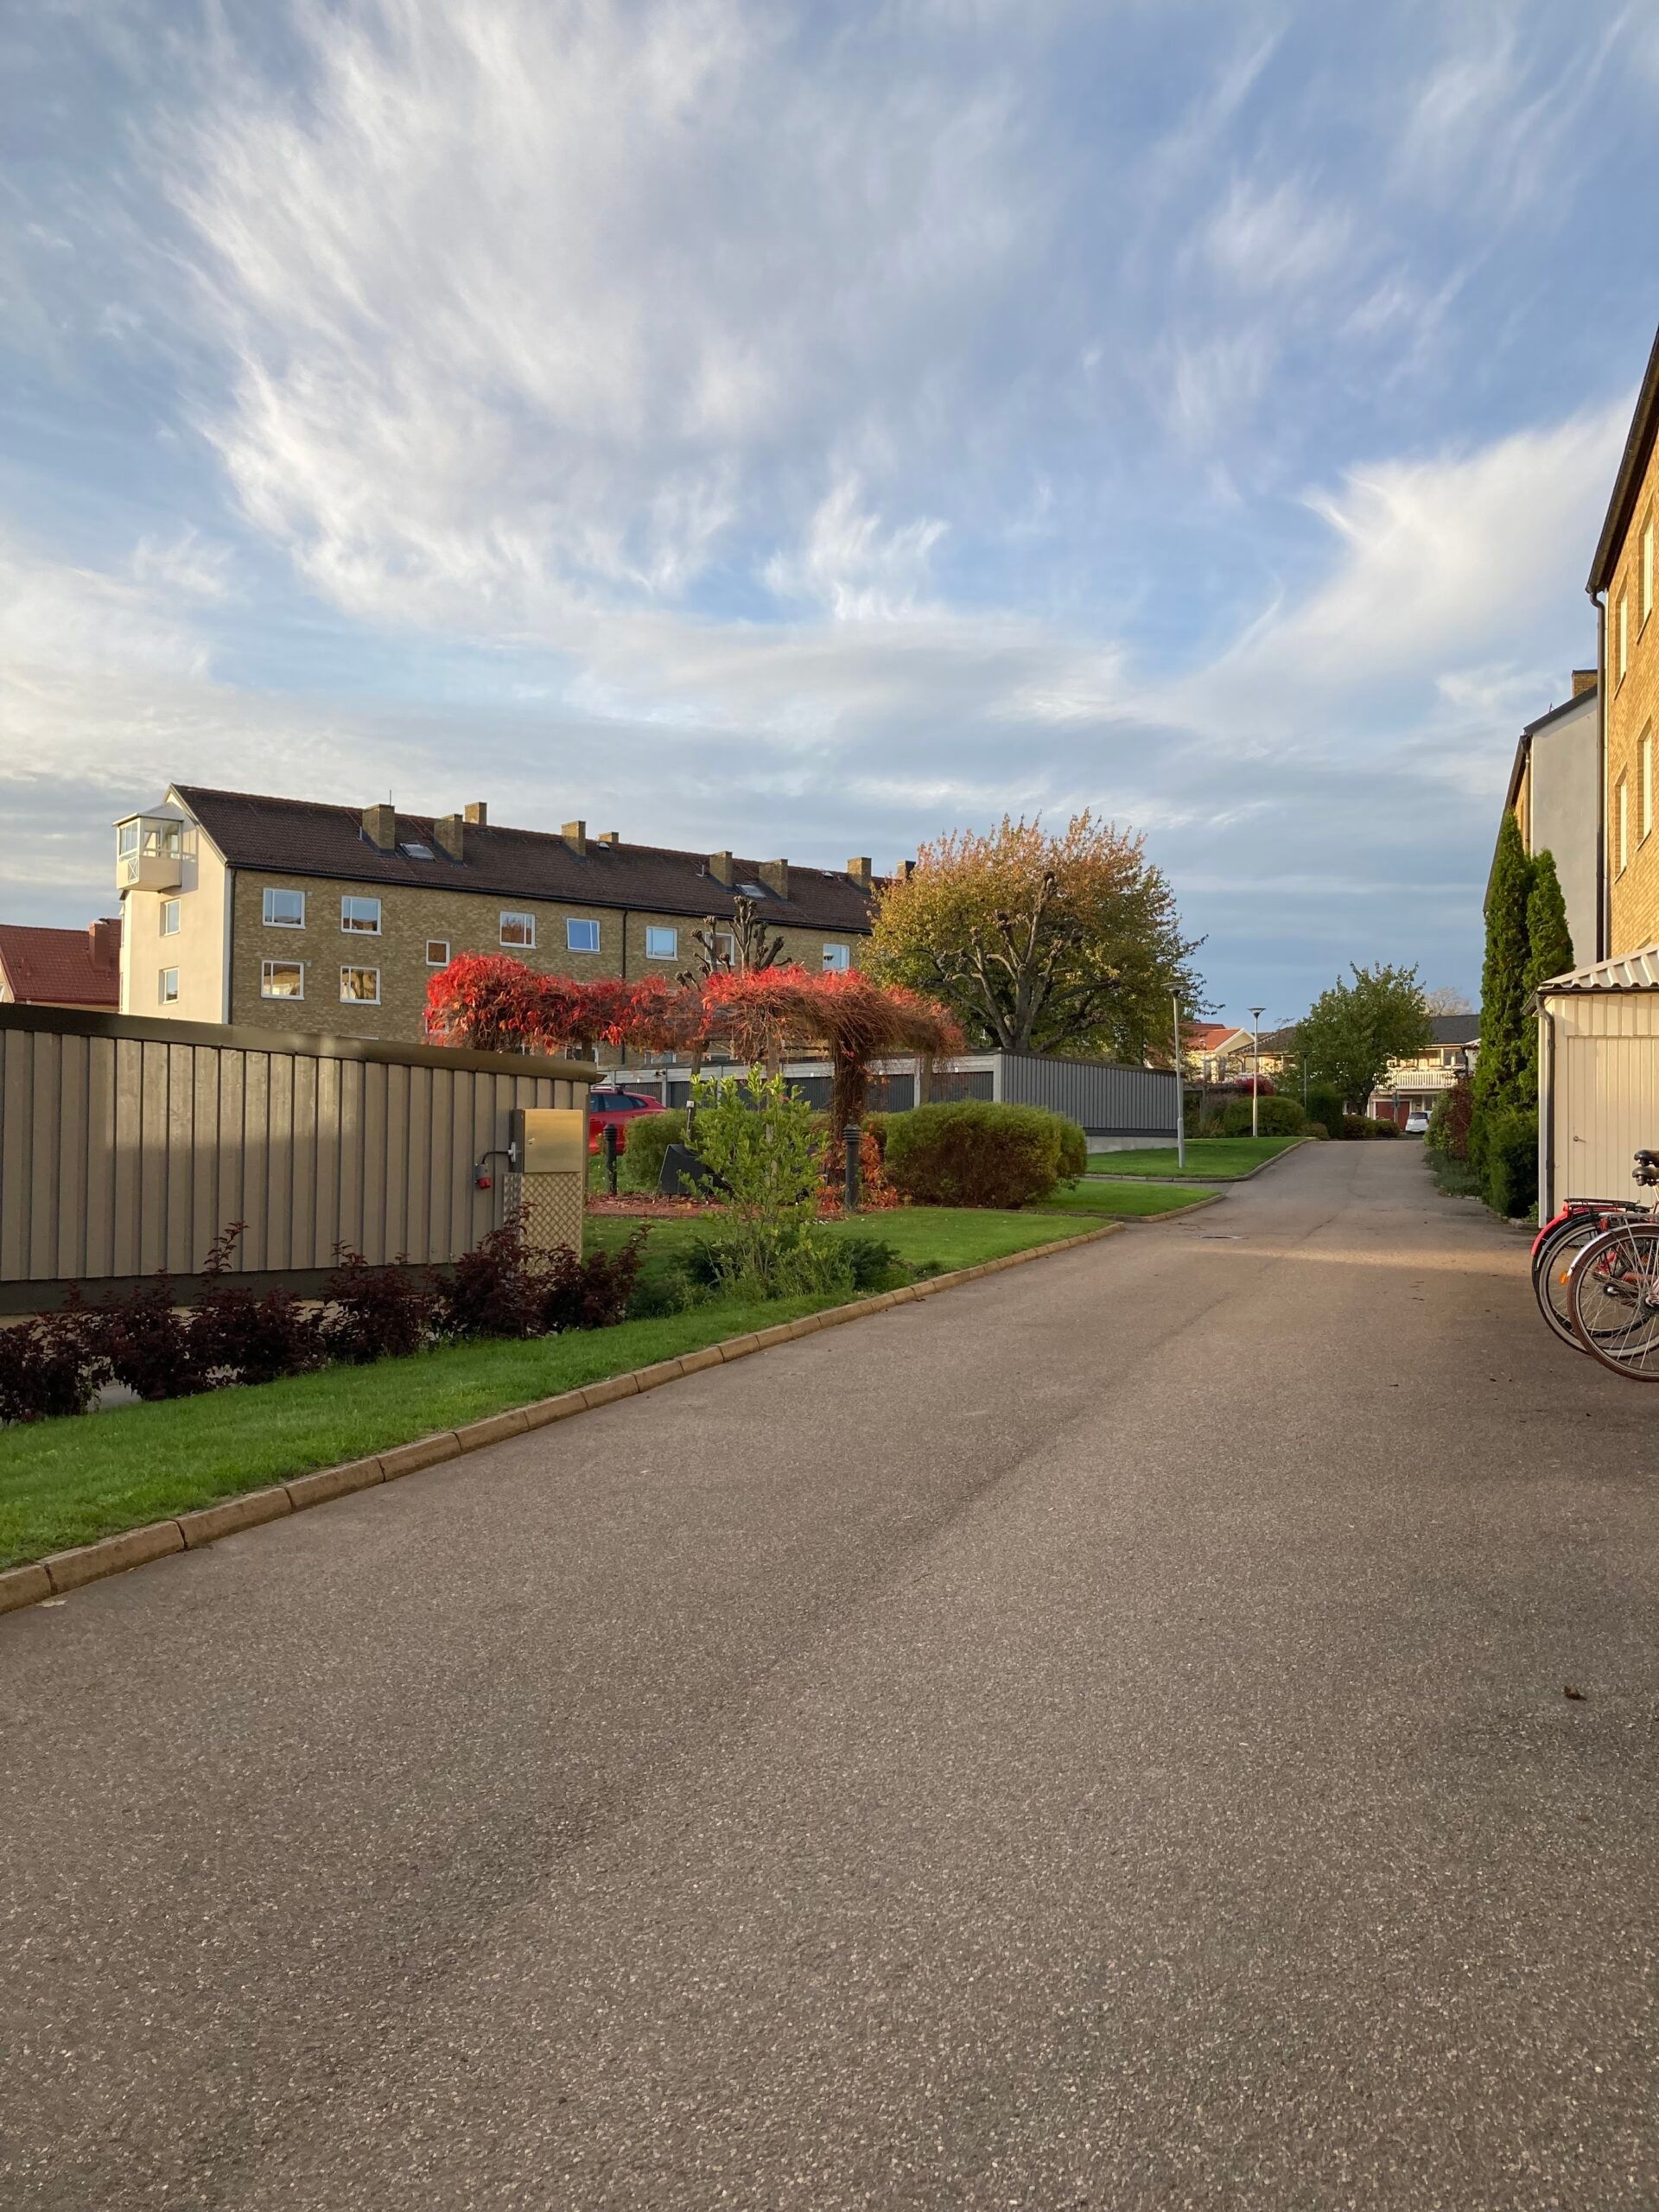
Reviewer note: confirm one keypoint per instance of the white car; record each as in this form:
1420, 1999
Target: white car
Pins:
1416, 1123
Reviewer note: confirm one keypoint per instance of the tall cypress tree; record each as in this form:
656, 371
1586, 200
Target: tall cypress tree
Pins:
1503, 1020
1549, 951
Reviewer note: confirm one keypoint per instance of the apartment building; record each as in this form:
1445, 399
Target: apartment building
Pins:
1555, 794
1622, 581
315, 920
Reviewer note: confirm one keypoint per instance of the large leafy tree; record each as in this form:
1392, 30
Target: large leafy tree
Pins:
1040, 943
1353, 1032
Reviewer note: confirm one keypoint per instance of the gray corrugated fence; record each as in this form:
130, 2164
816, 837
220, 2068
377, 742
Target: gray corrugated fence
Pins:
126, 1145
1108, 1101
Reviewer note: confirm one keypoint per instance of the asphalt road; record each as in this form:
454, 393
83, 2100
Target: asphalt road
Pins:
1095, 1739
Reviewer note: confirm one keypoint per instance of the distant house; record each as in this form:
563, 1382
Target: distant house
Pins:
73, 968
1555, 794
1413, 1086
1207, 1045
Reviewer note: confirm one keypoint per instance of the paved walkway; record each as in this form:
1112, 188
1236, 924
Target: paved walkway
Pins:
1095, 1739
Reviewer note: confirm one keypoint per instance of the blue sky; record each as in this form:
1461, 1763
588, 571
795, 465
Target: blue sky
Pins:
807, 428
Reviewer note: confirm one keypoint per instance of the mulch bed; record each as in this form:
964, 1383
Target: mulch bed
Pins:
647, 1206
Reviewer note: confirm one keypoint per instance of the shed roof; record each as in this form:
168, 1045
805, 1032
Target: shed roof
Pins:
1629, 971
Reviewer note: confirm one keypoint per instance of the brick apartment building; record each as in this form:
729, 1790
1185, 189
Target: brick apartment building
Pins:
290, 915
1622, 579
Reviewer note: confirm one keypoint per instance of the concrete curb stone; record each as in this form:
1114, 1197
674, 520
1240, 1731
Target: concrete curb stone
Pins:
71, 1570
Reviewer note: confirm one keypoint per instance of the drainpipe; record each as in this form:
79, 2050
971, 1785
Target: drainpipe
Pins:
1545, 1110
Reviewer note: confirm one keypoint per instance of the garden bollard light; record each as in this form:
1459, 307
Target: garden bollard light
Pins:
609, 1141
850, 1139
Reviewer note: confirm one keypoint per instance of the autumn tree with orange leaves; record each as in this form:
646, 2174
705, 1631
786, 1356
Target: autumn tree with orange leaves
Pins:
1040, 943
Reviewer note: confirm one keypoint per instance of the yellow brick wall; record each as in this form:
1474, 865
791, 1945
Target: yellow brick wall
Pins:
1632, 708
467, 921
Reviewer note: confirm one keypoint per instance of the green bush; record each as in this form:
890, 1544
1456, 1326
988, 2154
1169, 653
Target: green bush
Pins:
1275, 1118
1325, 1106
1510, 1169
640, 1167
968, 1153
1358, 1128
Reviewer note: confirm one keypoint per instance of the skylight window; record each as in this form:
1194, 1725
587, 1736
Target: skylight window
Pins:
417, 852
753, 890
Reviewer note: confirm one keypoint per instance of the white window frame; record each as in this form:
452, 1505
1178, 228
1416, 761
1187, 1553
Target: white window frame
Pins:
276, 921
356, 998
126, 841
519, 943
268, 967
572, 923
657, 929
1647, 571
350, 924
1645, 784
1624, 635
837, 959
430, 962
169, 914
1621, 796
725, 945
167, 987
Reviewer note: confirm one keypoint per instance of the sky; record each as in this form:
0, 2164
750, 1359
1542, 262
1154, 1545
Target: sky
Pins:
808, 428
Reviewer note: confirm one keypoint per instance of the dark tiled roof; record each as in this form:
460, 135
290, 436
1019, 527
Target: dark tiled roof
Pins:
302, 837
1455, 1028
56, 967
1627, 482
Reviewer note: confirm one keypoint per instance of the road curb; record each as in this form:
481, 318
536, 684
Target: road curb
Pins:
1221, 1184
61, 1572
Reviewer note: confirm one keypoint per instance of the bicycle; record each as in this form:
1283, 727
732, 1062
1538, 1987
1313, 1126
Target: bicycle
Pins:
1558, 1243
1612, 1289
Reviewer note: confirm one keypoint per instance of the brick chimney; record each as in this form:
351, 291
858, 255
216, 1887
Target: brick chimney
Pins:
1583, 679
575, 835
449, 832
380, 827
775, 875
104, 937
479, 815
720, 866
610, 836
859, 872
905, 870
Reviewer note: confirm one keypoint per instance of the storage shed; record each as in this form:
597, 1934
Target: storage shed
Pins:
1598, 1078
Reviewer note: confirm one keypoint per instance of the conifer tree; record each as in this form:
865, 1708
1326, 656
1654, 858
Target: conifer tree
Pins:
1501, 1068
1549, 952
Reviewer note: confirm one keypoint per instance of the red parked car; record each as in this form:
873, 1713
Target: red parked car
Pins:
611, 1108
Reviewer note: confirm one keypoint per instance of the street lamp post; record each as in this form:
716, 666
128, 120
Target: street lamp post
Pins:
1256, 1068
1180, 1090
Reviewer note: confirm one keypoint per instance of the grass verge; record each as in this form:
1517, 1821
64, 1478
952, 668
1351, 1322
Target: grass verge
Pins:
68, 1481
1102, 1200
1209, 1159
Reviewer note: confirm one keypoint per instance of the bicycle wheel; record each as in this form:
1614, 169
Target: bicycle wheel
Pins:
1613, 1295
1552, 1267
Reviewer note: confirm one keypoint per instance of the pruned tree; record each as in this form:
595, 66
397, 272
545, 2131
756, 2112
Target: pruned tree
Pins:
1549, 953
1502, 1069
1037, 942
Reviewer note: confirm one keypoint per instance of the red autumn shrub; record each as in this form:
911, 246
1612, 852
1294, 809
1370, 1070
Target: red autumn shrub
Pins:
244, 1336
146, 1340
591, 1294
48, 1366
494, 1290
372, 1313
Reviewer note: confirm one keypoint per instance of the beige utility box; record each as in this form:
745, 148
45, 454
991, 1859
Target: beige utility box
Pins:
549, 1172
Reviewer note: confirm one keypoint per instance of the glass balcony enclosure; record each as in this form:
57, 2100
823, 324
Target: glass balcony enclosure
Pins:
148, 852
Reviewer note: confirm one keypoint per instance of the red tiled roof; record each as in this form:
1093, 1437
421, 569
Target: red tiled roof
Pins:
57, 967
306, 838
1201, 1035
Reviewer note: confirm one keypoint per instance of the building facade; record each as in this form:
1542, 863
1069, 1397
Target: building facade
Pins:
1555, 794
322, 920
1621, 582
1416, 1086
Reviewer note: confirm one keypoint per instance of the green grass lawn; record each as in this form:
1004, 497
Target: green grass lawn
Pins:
1101, 1199
1209, 1159
68, 1482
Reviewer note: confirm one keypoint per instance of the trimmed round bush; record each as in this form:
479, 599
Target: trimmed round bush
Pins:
641, 1164
1324, 1107
970, 1152
1276, 1117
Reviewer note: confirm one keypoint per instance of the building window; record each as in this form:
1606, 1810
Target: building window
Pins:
168, 992
1623, 633
1622, 801
518, 929
126, 840
662, 945
169, 918
281, 979
360, 915
360, 987
1647, 567
1644, 782
581, 937
836, 959
437, 952
284, 910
